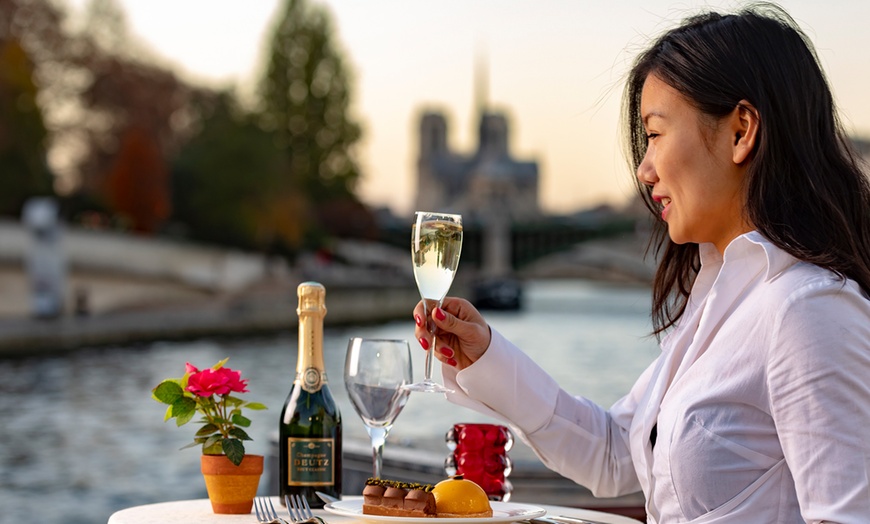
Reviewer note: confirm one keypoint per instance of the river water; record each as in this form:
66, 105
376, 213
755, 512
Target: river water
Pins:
80, 436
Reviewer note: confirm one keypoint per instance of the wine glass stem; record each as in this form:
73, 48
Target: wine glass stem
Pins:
379, 438
428, 369
429, 305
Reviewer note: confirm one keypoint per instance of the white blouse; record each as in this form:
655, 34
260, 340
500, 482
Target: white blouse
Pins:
760, 400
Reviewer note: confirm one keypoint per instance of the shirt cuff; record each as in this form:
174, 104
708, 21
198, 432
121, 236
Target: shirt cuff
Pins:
507, 382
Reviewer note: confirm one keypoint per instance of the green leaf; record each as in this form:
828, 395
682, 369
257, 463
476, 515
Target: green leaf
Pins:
256, 406
183, 406
234, 450
182, 420
239, 434
220, 365
206, 430
233, 401
214, 449
239, 420
168, 414
212, 441
167, 392
196, 442
184, 410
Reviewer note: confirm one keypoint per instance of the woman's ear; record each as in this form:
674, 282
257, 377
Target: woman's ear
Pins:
744, 126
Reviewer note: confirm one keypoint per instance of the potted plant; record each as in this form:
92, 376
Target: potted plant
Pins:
231, 476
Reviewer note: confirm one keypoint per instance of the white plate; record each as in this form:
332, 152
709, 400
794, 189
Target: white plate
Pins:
501, 512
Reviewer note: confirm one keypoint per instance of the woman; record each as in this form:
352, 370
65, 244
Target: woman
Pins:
757, 408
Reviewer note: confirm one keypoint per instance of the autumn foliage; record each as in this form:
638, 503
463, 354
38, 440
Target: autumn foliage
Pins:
139, 147
138, 182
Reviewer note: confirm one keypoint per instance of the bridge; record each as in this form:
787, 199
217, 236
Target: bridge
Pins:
548, 248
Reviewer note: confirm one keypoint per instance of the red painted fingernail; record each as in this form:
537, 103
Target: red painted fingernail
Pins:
447, 352
451, 362
439, 314
424, 343
418, 320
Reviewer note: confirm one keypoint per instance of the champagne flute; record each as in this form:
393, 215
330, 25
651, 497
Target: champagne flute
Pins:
375, 373
436, 241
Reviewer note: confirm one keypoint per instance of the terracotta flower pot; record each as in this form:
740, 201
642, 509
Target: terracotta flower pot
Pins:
231, 489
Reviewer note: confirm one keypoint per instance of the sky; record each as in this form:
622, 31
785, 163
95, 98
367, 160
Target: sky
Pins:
554, 67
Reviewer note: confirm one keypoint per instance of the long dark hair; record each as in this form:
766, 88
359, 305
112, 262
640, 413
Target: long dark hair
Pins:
805, 191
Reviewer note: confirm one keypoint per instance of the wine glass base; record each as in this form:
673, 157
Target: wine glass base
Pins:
427, 386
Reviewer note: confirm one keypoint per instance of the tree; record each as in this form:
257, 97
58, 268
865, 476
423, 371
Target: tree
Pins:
282, 178
305, 97
30, 36
125, 95
97, 86
138, 184
227, 181
23, 164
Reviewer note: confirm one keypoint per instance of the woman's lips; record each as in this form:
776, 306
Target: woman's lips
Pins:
665, 202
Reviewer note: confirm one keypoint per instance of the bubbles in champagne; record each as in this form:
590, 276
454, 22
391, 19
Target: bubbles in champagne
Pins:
435, 249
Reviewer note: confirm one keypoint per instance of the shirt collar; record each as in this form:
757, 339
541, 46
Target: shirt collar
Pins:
752, 244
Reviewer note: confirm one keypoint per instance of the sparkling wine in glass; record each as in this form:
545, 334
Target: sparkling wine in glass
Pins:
376, 372
436, 241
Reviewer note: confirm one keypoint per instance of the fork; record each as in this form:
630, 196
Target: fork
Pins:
265, 511
300, 511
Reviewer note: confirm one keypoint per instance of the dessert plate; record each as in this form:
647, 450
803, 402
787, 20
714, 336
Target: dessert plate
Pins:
501, 512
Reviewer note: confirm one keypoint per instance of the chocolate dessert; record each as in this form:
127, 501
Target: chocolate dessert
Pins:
398, 499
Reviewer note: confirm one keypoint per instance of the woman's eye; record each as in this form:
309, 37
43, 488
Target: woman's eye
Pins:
650, 136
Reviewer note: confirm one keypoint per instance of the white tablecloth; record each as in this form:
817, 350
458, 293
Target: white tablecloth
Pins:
199, 512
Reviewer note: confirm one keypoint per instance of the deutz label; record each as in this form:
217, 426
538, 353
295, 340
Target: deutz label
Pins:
310, 462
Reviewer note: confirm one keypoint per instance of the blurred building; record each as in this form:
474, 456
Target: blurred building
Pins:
477, 185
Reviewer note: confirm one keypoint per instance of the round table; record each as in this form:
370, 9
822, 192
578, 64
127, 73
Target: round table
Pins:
199, 512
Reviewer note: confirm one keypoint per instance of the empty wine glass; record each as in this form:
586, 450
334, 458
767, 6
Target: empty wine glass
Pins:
375, 373
436, 242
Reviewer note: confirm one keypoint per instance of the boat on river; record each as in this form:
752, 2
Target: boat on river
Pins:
500, 293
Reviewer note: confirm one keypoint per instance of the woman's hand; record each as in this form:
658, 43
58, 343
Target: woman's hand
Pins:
462, 335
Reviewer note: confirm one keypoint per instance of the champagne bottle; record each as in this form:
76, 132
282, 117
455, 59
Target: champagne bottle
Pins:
310, 427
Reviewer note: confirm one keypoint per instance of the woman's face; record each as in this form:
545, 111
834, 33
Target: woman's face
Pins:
690, 166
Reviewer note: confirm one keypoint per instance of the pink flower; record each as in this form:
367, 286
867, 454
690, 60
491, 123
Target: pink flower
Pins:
235, 381
190, 369
221, 381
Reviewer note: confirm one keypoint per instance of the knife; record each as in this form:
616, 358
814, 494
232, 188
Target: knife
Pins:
328, 499
565, 519
562, 520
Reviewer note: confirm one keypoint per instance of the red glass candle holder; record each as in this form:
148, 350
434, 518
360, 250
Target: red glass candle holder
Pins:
479, 453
